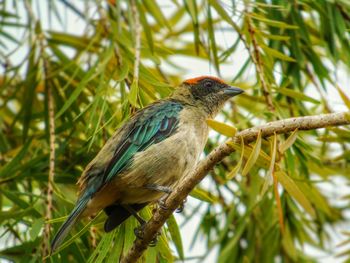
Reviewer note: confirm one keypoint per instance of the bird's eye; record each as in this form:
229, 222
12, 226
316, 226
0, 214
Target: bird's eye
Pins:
208, 84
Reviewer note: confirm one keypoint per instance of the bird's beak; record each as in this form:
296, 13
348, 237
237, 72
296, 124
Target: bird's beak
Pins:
232, 91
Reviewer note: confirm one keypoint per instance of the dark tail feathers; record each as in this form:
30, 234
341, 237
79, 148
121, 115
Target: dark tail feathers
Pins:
67, 226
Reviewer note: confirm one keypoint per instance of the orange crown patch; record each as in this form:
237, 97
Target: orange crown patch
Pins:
198, 79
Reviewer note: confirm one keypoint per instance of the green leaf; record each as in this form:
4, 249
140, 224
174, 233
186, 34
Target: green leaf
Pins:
222, 128
295, 192
90, 75
156, 12
76, 236
289, 142
191, 7
343, 96
10, 167
133, 94
253, 156
213, 47
202, 195
146, 28
223, 14
296, 95
36, 227
270, 172
274, 23
235, 170
121, 73
275, 53
175, 235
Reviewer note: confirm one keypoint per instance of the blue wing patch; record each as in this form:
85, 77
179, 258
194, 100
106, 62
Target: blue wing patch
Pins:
151, 126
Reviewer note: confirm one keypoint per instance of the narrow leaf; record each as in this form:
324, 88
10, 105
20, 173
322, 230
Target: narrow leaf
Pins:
269, 174
253, 156
235, 170
344, 97
295, 192
134, 91
222, 128
202, 195
297, 95
277, 54
289, 142
175, 235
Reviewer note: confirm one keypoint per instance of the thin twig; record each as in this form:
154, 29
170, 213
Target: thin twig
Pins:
49, 206
137, 28
52, 139
259, 65
186, 186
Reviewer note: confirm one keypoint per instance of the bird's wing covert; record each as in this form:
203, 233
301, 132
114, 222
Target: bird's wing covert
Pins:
147, 127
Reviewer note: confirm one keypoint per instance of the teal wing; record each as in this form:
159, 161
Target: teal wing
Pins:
149, 126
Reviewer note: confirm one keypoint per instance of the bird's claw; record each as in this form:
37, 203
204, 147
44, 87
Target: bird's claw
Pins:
154, 241
182, 206
161, 204
138, 231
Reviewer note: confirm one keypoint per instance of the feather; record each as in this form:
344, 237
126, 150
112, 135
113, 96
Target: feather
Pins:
118, 214
69, 223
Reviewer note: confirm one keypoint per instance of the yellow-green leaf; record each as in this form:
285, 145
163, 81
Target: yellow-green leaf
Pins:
273, 23
295, 192
269, 174
134, 91
297, 95
175, 235
275, 53
274, 37
222, 128
121, 73
235, 170
344, 97
202, 195
222, 13
253, 156
289, 142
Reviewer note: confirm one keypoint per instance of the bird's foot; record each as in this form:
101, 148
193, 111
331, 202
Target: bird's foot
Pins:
159, 188
139, 233
161, 204
182, 206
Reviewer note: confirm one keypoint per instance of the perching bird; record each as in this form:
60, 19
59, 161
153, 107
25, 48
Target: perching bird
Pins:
149, 154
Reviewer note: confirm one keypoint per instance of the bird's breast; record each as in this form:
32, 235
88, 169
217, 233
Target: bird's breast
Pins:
166, 162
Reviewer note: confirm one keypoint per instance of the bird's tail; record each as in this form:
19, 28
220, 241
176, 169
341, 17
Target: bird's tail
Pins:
67, 226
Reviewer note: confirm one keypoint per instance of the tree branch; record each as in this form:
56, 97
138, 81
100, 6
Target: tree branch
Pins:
186, 186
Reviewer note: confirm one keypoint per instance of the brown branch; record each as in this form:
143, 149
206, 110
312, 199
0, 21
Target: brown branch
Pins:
185, 187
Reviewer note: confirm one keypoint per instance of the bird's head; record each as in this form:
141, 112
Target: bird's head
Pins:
208, 92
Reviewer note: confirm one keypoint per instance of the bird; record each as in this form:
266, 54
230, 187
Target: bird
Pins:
149, 154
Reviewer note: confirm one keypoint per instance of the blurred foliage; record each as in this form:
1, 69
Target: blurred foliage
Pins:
269, 201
